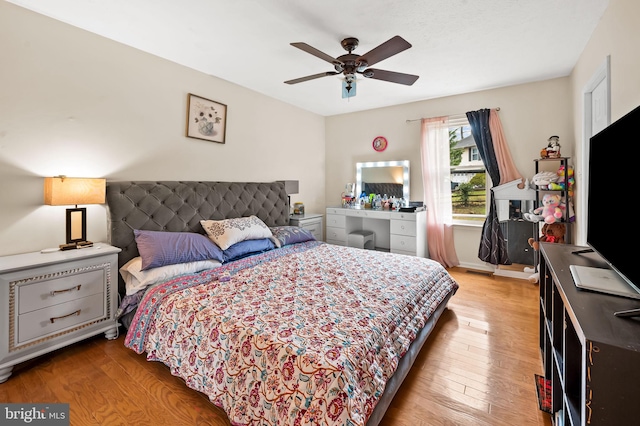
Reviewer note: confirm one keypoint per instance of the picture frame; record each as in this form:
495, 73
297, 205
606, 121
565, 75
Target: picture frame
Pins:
206, 119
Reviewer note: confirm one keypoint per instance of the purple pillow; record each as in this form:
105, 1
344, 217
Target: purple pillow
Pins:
158, 248
291, 234
247, 247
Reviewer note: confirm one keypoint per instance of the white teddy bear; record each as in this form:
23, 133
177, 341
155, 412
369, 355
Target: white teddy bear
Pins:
543, 179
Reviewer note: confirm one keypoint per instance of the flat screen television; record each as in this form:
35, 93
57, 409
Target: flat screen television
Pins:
613, 180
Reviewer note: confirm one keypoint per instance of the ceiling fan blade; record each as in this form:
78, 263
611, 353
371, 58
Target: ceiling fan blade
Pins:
389, 48
311, 77
315, 52
393, 77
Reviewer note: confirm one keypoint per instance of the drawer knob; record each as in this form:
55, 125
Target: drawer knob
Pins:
75, 287
65, 316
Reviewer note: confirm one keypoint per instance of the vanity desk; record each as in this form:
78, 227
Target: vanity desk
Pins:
397, 232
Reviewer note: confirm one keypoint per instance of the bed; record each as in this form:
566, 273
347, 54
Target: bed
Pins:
300, 332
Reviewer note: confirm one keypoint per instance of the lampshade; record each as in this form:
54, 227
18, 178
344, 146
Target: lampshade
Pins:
291, 186
62, 191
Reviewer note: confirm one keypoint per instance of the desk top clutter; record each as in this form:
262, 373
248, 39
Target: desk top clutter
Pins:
375, 202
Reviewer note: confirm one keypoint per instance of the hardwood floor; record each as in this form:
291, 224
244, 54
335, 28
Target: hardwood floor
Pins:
477, 368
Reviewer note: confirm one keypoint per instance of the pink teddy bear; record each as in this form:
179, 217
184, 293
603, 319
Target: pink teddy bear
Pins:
552, 208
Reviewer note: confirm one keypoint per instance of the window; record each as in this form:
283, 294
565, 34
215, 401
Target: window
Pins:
474, 154
469, 180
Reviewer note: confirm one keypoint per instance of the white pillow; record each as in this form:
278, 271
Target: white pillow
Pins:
136, 279
228, 232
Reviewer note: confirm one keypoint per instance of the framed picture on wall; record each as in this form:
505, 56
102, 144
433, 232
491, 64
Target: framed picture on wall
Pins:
206, 119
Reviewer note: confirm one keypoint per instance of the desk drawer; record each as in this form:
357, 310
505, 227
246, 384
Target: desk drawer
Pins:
371, 214
336, 221
337, 234
403, 227
51, 292
403, 243
37, 324
333, 210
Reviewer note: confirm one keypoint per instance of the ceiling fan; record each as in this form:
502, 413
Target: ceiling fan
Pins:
352, 64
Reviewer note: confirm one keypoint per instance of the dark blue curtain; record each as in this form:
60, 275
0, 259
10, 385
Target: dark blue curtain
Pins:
493, 247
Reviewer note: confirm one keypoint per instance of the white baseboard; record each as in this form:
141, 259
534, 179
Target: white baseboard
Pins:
512, 274
477, 266
497, 271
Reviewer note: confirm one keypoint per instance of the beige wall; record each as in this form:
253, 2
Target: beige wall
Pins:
81, 105
77, 104
617, 36
530, 113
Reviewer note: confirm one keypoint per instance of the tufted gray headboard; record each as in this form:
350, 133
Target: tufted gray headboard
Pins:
178, 206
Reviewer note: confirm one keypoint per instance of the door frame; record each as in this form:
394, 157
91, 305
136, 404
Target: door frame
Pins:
603, 73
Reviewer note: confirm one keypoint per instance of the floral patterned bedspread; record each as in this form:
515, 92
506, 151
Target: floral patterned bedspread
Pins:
302, 335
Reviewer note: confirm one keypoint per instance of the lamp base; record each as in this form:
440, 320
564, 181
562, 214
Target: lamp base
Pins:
76, 245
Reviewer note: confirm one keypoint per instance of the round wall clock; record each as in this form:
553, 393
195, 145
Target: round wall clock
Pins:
380, 143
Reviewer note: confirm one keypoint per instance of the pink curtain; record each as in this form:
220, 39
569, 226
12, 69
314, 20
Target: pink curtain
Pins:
437, 190
508, 171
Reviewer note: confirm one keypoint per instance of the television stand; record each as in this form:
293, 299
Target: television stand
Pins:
590, 356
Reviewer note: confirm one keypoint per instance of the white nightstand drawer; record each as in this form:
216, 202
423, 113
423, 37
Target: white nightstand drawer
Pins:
37, 324
403, 227
337, 234
336, 221
51, 292
403, 243
315, 228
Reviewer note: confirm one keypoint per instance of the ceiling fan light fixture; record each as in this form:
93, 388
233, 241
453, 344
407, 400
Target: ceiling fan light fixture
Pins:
350, 64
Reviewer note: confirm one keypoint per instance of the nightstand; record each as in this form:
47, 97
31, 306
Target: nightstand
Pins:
311, 222
51, 300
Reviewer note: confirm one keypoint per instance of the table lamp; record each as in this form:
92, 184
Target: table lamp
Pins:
63, 191
291, 187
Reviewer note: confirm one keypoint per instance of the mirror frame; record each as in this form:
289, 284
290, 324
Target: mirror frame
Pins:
405, 174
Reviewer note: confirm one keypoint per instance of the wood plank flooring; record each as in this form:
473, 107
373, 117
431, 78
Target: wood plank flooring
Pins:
477, 368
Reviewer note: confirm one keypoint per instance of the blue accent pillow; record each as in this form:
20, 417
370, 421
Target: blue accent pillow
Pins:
248, 247
290, 235
158, 248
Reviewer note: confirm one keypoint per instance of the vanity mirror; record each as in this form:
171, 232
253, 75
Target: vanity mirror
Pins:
383, 177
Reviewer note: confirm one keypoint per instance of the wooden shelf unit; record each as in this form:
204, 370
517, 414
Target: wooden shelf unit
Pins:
590, 356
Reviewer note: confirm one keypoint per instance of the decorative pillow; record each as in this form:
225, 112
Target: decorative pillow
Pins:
158, 248
228, 232
248, 247
285, 235
136, 279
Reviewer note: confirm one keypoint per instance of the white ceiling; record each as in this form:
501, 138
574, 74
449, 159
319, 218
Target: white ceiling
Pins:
458, 46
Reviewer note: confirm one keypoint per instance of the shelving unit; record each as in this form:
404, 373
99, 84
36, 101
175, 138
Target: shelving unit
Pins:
564, 193
590, 357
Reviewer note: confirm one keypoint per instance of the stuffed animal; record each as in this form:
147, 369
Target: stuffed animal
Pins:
551, 233
553, 147
552, 208
543, 179
560, 184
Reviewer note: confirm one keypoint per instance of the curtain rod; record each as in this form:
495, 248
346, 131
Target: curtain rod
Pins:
452, 115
